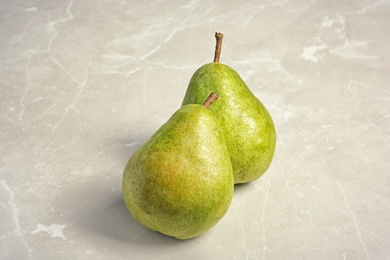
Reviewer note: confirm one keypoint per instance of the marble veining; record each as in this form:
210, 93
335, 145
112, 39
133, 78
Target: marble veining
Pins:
85, 83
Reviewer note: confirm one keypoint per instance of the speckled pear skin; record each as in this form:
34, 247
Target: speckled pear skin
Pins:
180, 181
248, 127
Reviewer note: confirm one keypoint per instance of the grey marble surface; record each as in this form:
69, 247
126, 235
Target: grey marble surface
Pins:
84, 83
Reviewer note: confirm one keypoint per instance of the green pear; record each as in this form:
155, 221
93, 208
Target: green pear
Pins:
248, 127
180, 181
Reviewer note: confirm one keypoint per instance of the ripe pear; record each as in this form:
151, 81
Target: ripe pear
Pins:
180, 181
248, 127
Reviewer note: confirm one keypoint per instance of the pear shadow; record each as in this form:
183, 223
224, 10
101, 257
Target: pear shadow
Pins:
123, 227
102, 214
239, 187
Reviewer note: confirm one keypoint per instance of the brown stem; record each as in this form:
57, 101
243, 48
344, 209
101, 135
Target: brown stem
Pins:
210, 99
217, 54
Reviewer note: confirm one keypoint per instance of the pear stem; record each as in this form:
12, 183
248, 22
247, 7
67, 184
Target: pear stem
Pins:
210, 99
218, 47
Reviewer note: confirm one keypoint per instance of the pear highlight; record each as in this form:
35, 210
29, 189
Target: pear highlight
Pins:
247, 125
180, 181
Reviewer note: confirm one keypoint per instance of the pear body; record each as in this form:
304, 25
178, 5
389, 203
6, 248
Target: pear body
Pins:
180, 181
247, 125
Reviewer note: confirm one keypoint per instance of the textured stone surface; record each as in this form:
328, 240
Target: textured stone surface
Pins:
84, 83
